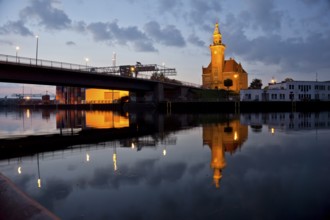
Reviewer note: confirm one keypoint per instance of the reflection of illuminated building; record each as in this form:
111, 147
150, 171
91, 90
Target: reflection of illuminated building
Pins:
91, 119
287, 121
223, 138
70, 119
105, 119
74, 95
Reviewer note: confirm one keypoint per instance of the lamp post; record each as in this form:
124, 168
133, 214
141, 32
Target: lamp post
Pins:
236, 82
37, 37
17, 49
86, 59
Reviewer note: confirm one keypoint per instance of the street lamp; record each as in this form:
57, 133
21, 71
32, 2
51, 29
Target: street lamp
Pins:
236, 82
17, 49
37, 37
86, 59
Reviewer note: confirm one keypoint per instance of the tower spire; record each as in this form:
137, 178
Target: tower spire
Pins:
217, 35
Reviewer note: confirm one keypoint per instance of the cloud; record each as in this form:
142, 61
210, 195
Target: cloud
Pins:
201, 13
112, 33
100, 31
193, 39
70, 43
47, 14
303, 53
168, 36
16, 27
79, 26
264, 15
291, 55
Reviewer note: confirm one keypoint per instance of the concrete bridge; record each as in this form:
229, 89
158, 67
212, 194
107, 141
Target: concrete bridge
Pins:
44, 72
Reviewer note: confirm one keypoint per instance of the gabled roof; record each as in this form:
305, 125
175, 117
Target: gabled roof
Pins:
232, 66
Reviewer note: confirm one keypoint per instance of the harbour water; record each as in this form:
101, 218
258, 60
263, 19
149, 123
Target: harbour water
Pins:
111, 165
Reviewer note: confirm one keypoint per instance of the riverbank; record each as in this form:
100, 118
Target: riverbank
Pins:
15, 204
242, 107
195, 107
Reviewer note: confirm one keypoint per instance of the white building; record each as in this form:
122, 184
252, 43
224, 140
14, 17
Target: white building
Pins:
289, 91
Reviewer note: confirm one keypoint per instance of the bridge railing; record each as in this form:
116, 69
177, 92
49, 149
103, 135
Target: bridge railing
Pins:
43, 63
81, 68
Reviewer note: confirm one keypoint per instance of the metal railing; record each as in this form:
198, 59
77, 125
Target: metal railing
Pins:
84, 68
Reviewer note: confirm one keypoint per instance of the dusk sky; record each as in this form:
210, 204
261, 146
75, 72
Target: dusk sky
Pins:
271, 38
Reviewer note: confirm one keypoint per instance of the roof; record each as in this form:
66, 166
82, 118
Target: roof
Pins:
232, 66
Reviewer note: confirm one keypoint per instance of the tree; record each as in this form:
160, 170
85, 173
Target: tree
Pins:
228, 83
288, 80
256, 84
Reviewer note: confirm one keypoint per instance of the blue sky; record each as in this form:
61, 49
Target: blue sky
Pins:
271, 38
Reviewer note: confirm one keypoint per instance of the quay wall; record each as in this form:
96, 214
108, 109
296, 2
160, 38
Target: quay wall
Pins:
197, 107
241, 107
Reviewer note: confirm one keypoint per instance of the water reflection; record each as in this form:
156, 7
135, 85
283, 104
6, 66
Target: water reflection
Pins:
287, 121
170, 162
221, 138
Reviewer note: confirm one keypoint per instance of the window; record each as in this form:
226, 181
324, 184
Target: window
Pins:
248, 96
317, 96
274, 96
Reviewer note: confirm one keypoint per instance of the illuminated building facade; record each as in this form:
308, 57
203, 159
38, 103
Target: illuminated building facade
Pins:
223, 138
220, 69
74, 95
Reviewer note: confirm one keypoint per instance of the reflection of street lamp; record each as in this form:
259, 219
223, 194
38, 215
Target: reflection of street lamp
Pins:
17, 49
164, 151
39, 178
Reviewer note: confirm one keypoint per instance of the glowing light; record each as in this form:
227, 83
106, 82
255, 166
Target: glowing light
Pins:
39, 183
236, 75
28, 113
235, 136
28, 97
87, 60
273, 130
114, 159
19, 170
132, 69
133, 146
87, 157
164, 152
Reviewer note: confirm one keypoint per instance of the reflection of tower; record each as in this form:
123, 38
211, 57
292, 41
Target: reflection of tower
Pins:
114, 158
221, 138
218, 162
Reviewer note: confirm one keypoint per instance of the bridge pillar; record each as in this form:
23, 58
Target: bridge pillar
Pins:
159, 92
183, 93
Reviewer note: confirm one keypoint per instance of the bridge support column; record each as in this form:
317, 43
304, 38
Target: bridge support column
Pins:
159, 92
184, 93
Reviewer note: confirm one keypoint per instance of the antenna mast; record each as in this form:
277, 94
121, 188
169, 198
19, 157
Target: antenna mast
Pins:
114, 59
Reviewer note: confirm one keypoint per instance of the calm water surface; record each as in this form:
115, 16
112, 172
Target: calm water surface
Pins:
131, 166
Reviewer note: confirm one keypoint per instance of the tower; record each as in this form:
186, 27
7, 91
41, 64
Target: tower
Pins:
212, 75
217, 58
220, 69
